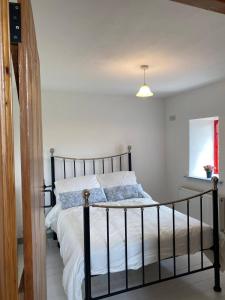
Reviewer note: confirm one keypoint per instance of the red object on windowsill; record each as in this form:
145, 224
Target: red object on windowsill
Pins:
216, 146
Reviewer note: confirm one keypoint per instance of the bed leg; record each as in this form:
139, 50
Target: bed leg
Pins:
216, 250
54, 236
87, 248
217, 287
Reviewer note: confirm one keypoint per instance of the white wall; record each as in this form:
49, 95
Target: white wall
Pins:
204, 102
87, 126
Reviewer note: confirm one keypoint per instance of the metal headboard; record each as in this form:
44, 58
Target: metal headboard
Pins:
90, 161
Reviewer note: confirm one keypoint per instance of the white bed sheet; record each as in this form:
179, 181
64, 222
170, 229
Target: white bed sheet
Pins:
54, 225
70, 236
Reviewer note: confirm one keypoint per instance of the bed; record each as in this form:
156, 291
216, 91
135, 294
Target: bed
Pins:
107, 237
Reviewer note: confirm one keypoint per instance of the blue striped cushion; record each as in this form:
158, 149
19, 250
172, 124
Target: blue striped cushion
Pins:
75, 198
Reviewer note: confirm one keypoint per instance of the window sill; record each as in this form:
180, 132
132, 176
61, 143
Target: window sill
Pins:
202, 179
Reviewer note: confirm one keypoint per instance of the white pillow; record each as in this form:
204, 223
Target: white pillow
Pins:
117, 178
76, 184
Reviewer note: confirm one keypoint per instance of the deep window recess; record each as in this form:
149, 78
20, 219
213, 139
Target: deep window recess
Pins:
203, 147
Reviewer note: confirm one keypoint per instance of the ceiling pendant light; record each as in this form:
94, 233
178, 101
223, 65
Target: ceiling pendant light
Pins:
144, 90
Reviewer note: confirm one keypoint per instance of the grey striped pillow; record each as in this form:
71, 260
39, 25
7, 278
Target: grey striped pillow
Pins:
124, 192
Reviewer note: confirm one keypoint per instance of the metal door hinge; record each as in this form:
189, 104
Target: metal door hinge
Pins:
15, 22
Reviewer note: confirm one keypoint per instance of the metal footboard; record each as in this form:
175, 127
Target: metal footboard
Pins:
144, 283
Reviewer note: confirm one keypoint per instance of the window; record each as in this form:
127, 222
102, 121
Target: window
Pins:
203, 146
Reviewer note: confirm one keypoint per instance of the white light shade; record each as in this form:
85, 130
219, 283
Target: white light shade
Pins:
144, 91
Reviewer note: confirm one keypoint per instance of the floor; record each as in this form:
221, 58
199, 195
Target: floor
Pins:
193, 287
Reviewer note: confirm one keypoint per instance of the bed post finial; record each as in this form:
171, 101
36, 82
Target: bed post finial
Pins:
215, 181
129, 148
52, 151
86, 195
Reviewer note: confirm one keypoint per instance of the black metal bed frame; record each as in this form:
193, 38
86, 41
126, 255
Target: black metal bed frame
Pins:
87, 238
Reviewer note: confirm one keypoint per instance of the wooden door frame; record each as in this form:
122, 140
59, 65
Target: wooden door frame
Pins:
210, 5
25, 63
28, 69
8, 244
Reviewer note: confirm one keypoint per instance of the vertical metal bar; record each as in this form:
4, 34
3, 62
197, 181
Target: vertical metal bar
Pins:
174, 242
93, 166
129, 159
64, 167
74, 168
87, 246
120, 163
112, 163
103, 166
108, 253
84, 167
53, 176
126, 262
53, 184
188, 235
143, 245
201, 232
159, 250
216, 249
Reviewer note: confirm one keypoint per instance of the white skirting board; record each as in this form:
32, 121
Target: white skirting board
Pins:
184, 192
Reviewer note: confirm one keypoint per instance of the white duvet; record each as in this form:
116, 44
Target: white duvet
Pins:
69, 225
